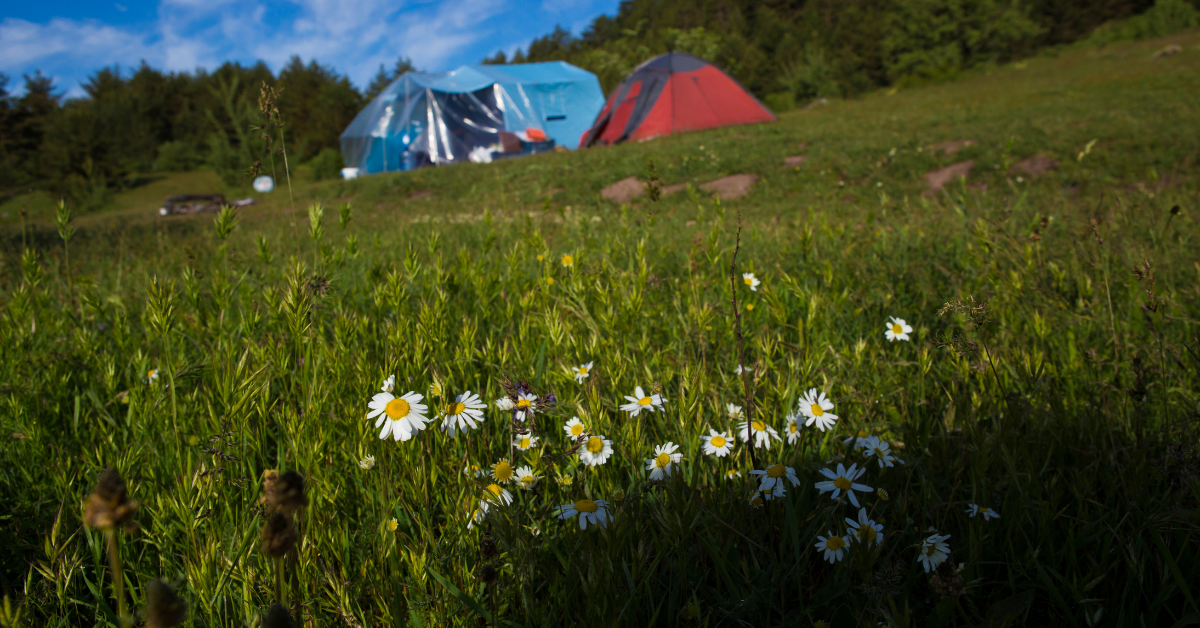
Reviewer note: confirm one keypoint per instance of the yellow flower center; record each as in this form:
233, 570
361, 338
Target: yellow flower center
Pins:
523, 403
392, 525
730, 473
866, 533
759, 426
525, 442
541, 257
567, 260
586, 505
776, 471
842, 483
835, 543
862, 433
817, 410
717, 441
583, 370
397, 409
930, 550
618, 495
152, 373
897, 329
662, 460
503, 471
750, 306
549, 281
883, 495
577, 429
529, 479
595, 444
644, 401
792, 427
456, 408
749, 280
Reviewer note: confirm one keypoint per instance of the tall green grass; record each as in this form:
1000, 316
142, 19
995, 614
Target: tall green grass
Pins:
1068, 403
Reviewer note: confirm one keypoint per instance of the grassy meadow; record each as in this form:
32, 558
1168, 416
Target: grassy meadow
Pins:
1052, 375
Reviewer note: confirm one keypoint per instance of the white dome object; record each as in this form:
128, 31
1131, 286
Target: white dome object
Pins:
264, 184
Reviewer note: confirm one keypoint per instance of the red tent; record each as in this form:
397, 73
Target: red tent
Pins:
673, 93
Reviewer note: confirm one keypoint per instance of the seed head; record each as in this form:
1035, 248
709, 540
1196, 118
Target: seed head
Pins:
487, 547
947, 581
284, 493
488, 574
164, 608
278, 617
278, 535
109, 505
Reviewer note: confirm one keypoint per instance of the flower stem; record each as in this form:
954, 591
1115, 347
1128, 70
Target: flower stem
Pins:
114, 563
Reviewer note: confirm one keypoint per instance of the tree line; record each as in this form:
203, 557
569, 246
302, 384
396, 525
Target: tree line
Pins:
789, 51
786, 52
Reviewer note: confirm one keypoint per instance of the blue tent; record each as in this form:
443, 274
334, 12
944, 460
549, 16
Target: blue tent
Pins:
475, 113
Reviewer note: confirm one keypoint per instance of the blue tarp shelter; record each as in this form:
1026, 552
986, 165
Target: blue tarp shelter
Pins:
474, 113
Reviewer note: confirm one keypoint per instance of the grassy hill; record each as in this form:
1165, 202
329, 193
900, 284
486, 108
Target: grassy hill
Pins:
1051, 375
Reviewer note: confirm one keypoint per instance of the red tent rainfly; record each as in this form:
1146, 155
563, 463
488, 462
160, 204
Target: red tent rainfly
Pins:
673, 93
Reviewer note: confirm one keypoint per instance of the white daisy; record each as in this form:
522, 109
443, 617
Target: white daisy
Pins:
574, 428
473, 469
763, 433
860, 440
595, 451
882, 450
758, 498
717, 443
503, 472
988, 513
641, 401
367, 463
750, 280
773, 477
389, 384
735, 412
740, 369
833, 546
526, 479
462, 413
864, 529
817, 408
503, 404
525, 441
897, 329
843, 480
478, 514
582, 371
589, 511
934, 551
401, 417
732, 473
664, 461
793, 428
152, 376
496, 494
526, 405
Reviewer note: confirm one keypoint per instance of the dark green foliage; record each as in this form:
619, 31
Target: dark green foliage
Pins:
327, 164
149, 120
821, 48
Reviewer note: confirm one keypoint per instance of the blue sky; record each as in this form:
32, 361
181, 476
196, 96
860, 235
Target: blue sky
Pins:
70, 39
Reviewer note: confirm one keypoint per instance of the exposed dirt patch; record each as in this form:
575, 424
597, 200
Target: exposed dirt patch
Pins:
1035, 166
418, 194
937, 179
1173, 49
624, 190
671, 189
733, 186
950, 148
795, 161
